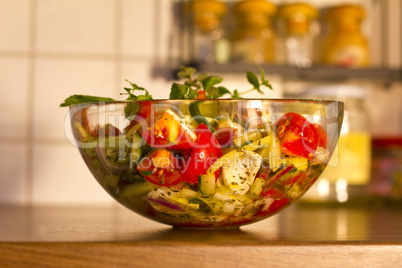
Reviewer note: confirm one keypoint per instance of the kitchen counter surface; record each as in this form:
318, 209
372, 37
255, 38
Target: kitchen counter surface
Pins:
115, 237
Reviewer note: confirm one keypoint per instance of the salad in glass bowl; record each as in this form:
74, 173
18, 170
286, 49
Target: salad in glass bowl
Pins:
200, 161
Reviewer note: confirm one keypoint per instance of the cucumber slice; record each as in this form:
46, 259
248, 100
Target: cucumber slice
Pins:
198, 117
137, 144
137, 189
207, 184
248, 138
209, 108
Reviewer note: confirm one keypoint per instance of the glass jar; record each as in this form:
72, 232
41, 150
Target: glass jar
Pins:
210, 42
346, 178
253, 39
297, 41
386, 179
345, 45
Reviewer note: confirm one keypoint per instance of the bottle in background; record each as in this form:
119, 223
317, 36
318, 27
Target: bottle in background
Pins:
296, 38
253, 39
345, 45
210, 42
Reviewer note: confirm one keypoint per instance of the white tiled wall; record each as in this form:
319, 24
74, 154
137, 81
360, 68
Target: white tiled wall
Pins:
50, 49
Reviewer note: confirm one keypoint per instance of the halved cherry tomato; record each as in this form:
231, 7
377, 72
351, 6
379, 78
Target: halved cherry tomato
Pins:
322, 136
297, 136
160, 167
204, 153
225, 136
169, 132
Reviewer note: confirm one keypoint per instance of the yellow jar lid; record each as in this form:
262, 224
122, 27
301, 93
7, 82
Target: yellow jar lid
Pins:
254, 6
345, 11
298, 11
215, 7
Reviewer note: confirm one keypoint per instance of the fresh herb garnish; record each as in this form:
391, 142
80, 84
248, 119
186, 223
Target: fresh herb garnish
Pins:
188, 89
78, 99
208, 83
132, 96
179, 91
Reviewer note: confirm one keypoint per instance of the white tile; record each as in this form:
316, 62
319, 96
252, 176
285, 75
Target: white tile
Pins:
61, 177
385, 111
14, 25
75, 26
139, 27
140, 73
14, 99
13, 173
57, 79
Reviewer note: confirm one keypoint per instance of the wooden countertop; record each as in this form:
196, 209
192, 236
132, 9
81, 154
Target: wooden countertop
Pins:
116, 237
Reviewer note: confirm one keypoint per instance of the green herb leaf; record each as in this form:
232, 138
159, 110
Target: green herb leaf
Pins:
236, 94
201, 77
78, 99
179, 91
263, 81
253, 79
132, 96
210, 81
223, 91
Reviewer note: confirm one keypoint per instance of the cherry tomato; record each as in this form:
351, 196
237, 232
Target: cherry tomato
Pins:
205, 152
169, 132
160, 167
297, 136
225, 136
322, 136
201, 94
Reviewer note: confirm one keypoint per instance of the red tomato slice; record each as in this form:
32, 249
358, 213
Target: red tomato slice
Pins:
322, 136
160, 167
205, 152
225, 136
280, 201
297, 136
169, 132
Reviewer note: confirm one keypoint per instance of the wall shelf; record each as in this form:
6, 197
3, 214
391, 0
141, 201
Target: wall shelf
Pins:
314, 73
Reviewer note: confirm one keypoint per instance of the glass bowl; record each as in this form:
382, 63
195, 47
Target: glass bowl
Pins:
207, 163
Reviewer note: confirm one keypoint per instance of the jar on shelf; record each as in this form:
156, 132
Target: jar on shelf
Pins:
210, 44
253, 38
347, 176
297, 45
386, 179
345, 45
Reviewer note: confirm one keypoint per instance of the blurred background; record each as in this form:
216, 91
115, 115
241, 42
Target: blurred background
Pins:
51, 49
